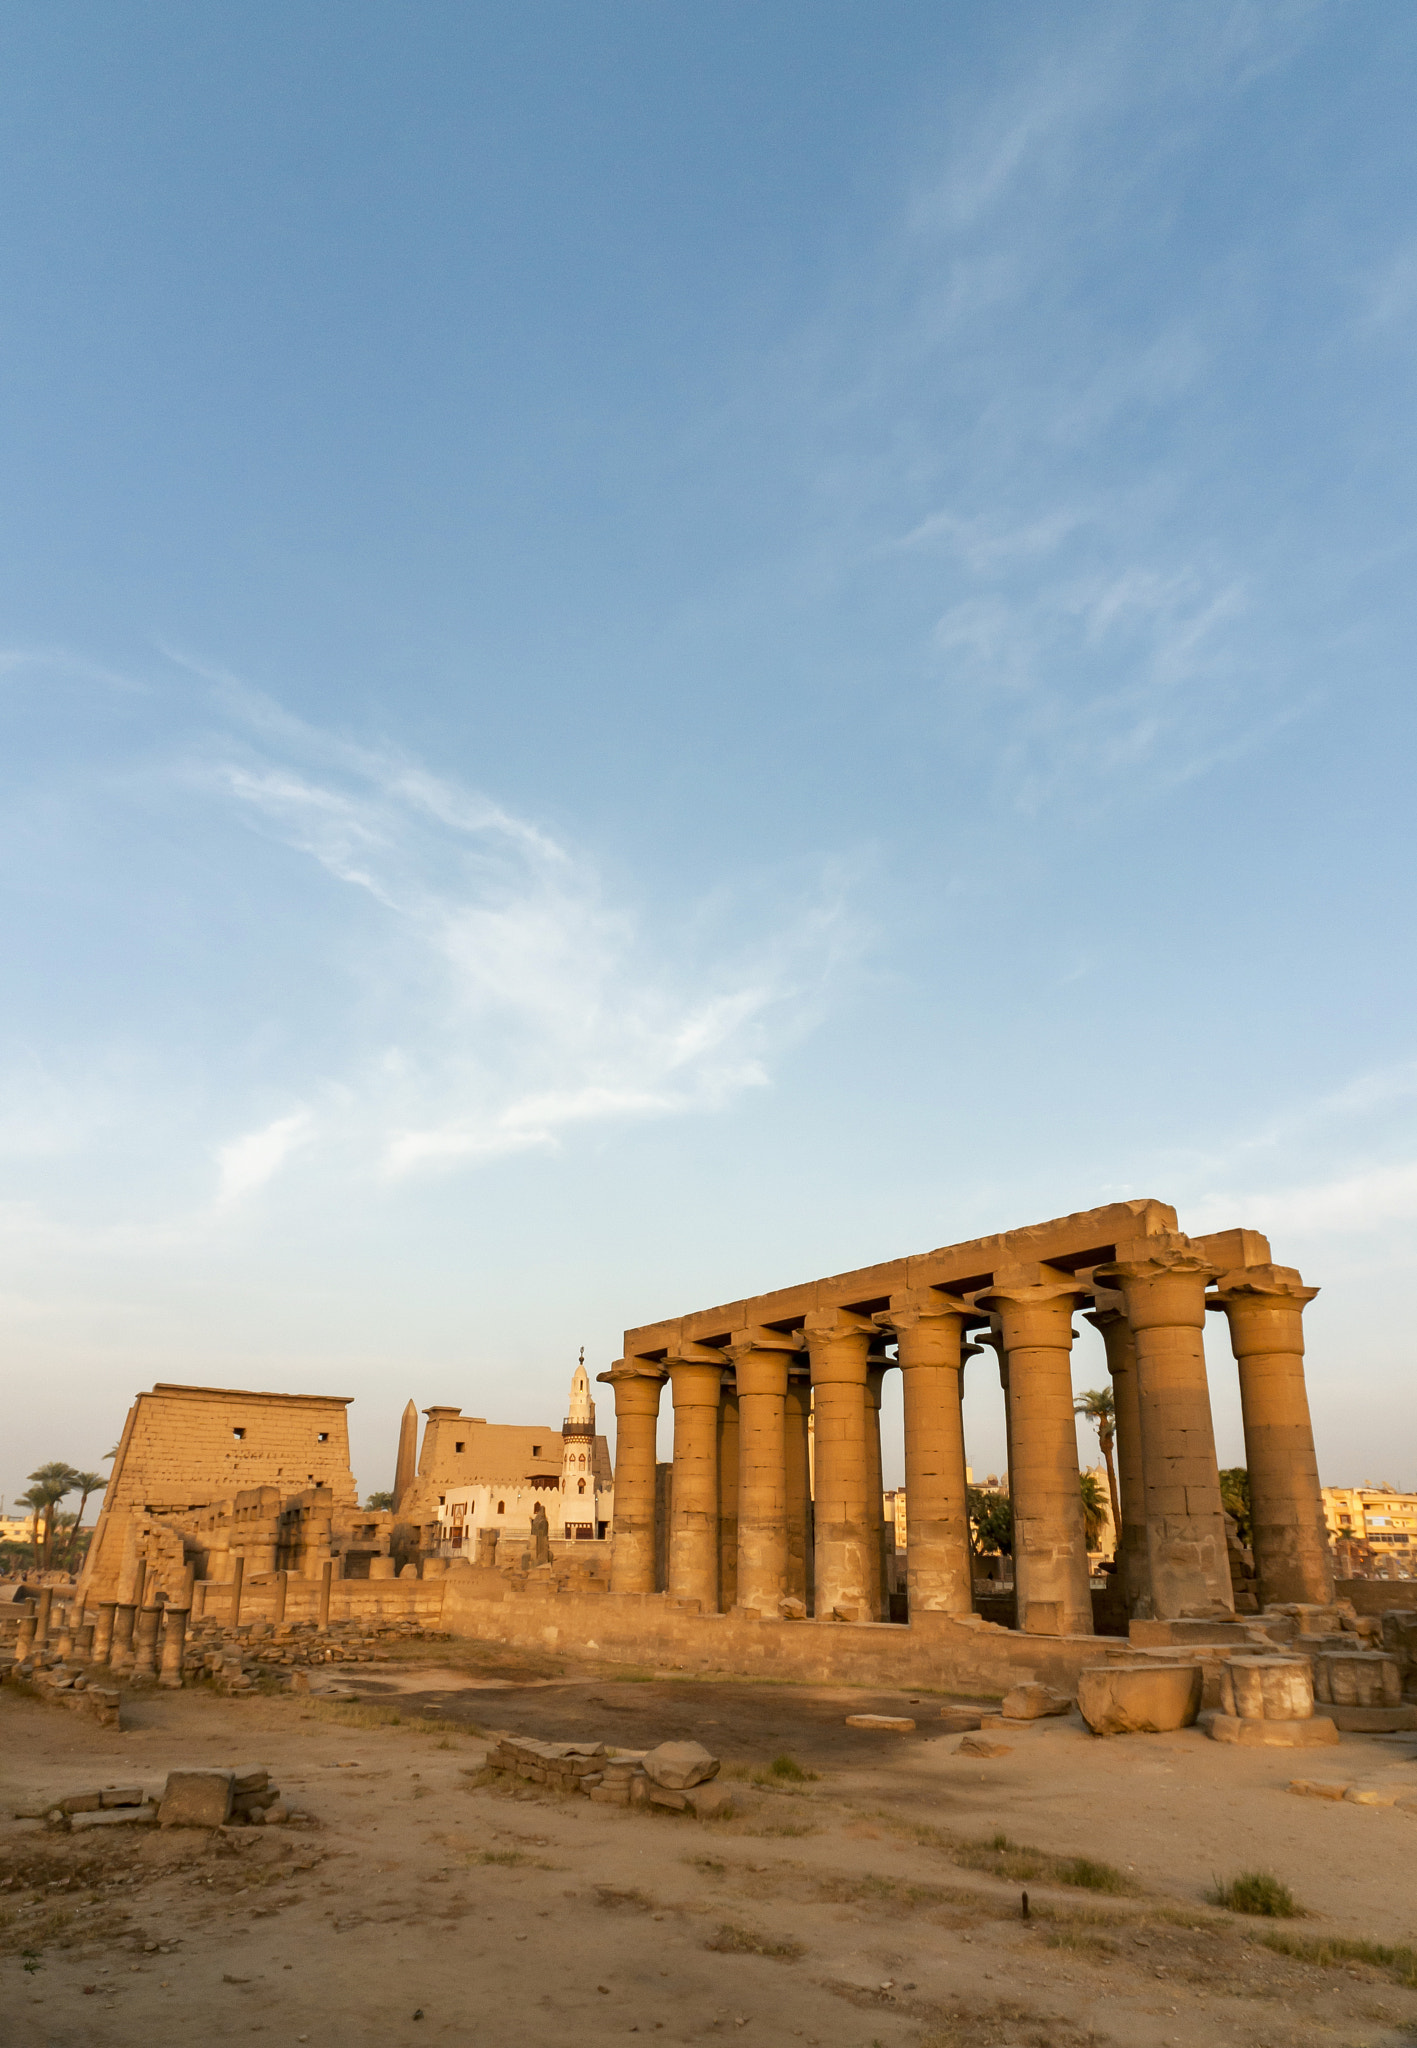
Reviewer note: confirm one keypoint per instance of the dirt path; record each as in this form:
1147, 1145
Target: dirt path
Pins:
858, 1906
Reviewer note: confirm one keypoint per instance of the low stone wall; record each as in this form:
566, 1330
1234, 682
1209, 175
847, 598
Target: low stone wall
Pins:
350, 1599
1376, 1596
935, 1650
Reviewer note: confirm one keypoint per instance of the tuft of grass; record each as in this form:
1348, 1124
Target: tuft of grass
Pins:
787, 1768
1089, 1875
1259, 1892
744, 1941
507, 1856
1332, 1953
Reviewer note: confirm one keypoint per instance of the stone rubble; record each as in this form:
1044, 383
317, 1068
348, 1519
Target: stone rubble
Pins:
675, 1776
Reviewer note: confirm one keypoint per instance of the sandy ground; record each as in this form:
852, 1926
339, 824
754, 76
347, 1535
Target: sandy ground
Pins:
859, 1906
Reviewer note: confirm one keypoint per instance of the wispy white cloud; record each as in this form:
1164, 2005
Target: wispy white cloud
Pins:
248, 1162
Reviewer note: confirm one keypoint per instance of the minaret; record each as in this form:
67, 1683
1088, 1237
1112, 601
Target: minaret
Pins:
407, 1467
578, 1456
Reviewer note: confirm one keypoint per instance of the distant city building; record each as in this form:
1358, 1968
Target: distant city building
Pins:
568, 1471
1373, 1530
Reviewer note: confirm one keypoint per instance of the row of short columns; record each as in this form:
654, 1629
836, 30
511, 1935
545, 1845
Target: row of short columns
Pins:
744, 1532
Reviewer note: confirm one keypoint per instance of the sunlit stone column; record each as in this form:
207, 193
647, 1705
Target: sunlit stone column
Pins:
696, 1377
1133, 1569
796, 1432
637, 1386
846, 1543
728, 1439
174, 1639
1163, 1282
929, 1329
1265, 1308
1035, 1307
761, 1359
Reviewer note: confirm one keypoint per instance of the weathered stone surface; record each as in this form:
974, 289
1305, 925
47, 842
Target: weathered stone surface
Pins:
961, 1719
1373, 1720
115, 1817
121, 1795
665, 1795
1147, 1699
1318, 1732
980, 1745
708, 1801
1033, 1703
1266, 1689
196, 1799
898, 1723
1375, 1795
677, 1765
1358, 1678
81, 1802
1319, 1788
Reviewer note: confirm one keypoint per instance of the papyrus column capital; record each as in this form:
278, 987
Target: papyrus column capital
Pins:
1264, 1305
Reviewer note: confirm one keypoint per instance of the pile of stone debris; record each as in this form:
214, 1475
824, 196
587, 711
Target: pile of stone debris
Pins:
234, 1658
204, 1797
65, 1685
676, 1775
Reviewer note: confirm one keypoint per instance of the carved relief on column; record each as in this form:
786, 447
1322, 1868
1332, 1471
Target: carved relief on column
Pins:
1163, 1281
696, 1377
637, 1386
760, 1361
1133, 1569
1051, 1574
929, 1327
846, 1547
1265, 1306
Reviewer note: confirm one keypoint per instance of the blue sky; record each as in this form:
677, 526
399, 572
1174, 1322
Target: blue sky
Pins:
650, 650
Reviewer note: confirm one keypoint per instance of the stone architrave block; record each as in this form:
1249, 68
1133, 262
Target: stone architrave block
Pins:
196, 1799
898, 1724
677, 1765
1358, 1678
662, 1795
1266, 1688
1144, 1699
1033, 1703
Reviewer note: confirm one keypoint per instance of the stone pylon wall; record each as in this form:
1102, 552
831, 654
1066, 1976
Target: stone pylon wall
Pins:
190, 1447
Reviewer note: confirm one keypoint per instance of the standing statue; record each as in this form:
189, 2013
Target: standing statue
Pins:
540, 1536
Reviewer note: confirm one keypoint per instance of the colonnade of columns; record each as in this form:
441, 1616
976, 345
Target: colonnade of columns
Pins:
747, 1531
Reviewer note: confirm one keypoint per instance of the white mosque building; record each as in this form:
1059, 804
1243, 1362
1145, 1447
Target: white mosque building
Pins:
579, 1503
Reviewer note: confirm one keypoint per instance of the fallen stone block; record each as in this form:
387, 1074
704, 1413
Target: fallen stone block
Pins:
961, 1720
1375, 1795
1316, 1733
664, 1795
1319, 1788
196, 1799
1358, 1678
121, 1795
677, 1765
898, 1723
1146, 1699
1034, 1703
980, 1745
115, 1817
81, 1802
709, 1801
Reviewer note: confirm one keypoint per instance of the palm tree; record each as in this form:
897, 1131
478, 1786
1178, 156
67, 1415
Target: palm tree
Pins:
1094, 1508
377, 1502
36, 1500
87, 1484
53, 1481
1097, 1404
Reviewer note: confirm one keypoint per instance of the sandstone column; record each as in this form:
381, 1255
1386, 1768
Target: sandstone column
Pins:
43, 1609
145, 1642
1133, 1570
761, 1359
929, 1326
846, 1542
1163, 1282
797, 1418
174, 1637
696, 1378
728, 1445
1051, 1577
876, 1371
327, 1574
238, 1574
1264, 1306
637, 1386
103, 1633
